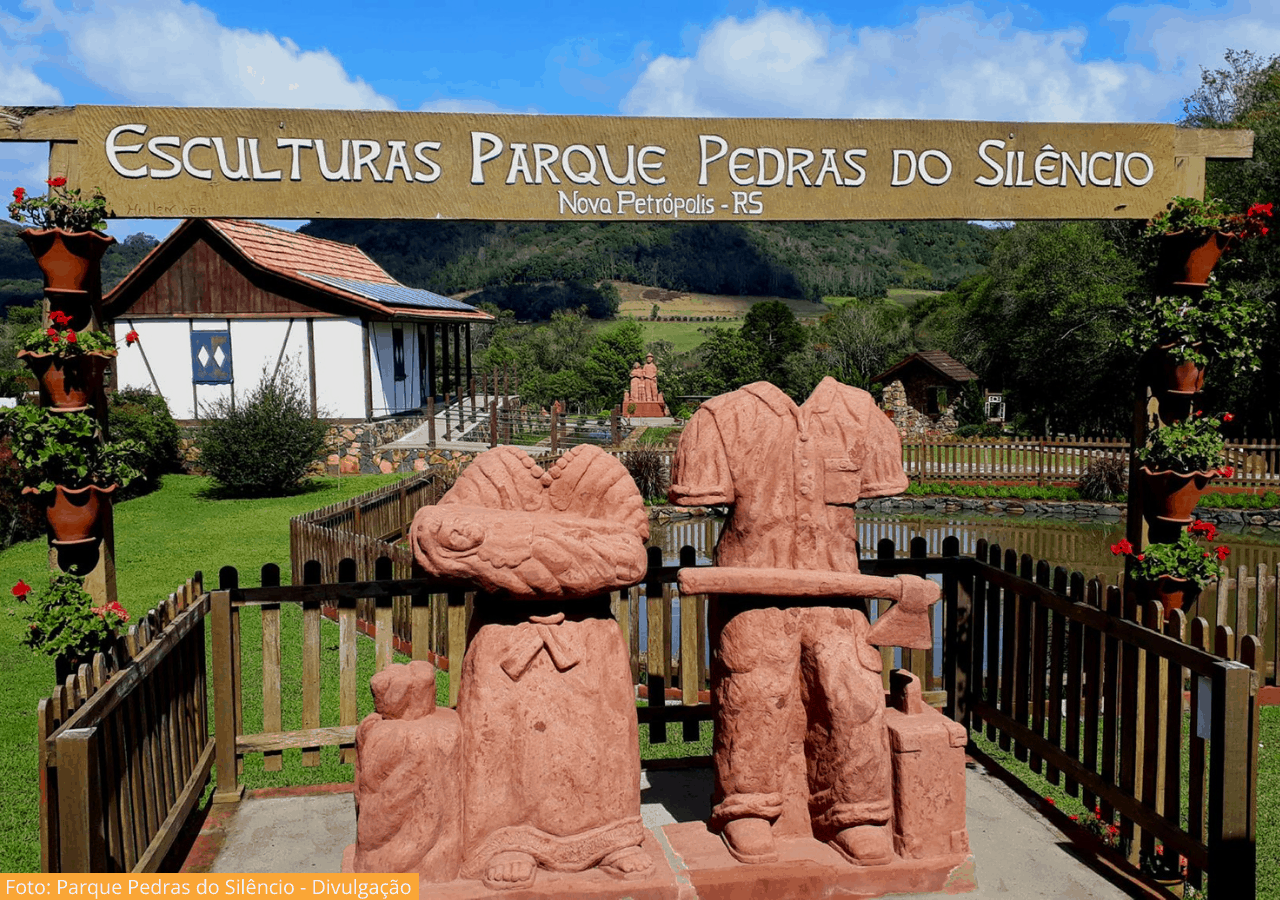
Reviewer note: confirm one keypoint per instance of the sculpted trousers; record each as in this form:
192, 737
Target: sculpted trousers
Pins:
770, 664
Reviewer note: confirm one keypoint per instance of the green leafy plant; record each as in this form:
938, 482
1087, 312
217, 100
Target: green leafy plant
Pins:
1205, 216
60, 448
64, 621
1222, 323
264, 444
62, 207
1191, 445
142, 416
62, 340
1186, 557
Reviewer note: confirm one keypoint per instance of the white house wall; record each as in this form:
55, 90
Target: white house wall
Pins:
339, 368
255, 344
166, 344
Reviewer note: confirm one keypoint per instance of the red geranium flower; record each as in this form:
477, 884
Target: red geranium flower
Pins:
1227, 472
71, 337
57, 182
1263, 209
1141, 556
131, 338
21, 589
1122, 547
20, 194
1223, 553
1227, 417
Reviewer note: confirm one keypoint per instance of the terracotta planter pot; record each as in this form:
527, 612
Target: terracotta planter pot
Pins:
67, 382
1187, 257
1173, 593
68, 259
1171, 497
75, 514
1175, 376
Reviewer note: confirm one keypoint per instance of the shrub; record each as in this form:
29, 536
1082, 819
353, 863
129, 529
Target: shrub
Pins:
1104, 479
21, 519
142, 415
649, 473
984, 430
263, 446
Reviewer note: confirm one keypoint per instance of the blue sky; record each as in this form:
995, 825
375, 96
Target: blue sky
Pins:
1048, 61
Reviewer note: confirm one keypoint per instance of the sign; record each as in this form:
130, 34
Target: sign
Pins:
172, 162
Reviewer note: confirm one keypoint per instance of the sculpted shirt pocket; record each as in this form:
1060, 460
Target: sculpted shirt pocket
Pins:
842, 481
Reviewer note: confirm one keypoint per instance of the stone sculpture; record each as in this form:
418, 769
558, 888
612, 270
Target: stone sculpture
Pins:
552, 771
643, 399
408, 778
801, 744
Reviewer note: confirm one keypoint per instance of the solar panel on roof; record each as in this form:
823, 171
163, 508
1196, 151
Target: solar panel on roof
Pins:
394, 294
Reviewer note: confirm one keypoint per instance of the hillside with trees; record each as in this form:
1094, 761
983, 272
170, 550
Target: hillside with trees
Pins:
780, 259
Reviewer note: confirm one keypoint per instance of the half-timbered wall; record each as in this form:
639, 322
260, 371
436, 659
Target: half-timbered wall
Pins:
162, 361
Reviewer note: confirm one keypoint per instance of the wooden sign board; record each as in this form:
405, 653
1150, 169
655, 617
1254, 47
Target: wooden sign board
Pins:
290, 163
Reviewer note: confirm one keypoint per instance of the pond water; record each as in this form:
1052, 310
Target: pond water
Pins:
1083, 546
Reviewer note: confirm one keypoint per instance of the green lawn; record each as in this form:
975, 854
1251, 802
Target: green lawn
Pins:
684, 336
160, 540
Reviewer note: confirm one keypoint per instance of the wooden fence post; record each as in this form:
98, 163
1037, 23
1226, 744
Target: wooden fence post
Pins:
83, 842
457, 625
229, 789
1232, 852
555, 428
431, 420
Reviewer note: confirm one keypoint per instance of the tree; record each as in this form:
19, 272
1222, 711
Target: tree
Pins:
863, 338
1245, 93
770, 327
727, 361
1045, 326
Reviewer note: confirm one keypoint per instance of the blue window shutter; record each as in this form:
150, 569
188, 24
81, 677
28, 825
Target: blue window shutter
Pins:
211, 357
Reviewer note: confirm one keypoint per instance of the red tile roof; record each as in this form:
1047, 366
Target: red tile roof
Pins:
291, 254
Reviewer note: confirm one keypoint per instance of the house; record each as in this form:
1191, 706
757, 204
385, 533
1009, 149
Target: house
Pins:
921, 389
221, 301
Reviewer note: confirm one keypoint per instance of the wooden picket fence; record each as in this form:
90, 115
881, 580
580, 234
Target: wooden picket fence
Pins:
125, 751
1062, 460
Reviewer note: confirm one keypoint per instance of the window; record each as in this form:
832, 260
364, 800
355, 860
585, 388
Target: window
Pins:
397, 351
211, 357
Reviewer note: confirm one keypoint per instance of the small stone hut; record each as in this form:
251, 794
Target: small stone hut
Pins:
920, 391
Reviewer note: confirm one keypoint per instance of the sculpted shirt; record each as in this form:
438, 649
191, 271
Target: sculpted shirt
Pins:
790, 473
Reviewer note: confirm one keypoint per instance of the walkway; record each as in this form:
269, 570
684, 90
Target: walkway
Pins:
1016, 852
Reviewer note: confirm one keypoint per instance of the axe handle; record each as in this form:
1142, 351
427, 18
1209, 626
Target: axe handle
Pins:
786, 583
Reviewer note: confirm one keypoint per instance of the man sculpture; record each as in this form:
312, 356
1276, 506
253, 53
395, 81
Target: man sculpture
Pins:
805, 676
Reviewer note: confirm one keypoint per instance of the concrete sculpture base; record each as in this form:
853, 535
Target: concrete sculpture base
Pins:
692, 863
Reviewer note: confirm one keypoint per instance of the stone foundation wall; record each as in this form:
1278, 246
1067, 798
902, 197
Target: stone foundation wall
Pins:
910, 421
357, 449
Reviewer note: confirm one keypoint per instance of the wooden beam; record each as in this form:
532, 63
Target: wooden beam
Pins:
64, 160
38, 123
1189, 178
1213, 143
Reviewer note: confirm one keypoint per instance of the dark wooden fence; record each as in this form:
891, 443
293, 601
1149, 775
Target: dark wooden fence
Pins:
126, 752
1094, 689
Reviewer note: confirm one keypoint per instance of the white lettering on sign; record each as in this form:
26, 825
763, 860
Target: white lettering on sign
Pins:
603, 179
1055, 168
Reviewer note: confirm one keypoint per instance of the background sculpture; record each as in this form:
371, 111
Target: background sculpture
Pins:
643, 399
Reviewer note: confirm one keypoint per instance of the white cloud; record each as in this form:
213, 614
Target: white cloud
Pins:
166, 52
470, 105
955, 62
1183, 39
